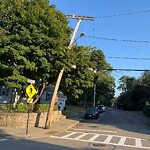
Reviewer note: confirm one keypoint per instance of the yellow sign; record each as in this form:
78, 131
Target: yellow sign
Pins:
30, 100
31, 91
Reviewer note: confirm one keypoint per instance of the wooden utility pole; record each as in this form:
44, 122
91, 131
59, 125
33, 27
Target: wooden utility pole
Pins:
54, 97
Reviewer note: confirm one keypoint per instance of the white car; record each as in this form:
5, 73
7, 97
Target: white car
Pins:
101, 108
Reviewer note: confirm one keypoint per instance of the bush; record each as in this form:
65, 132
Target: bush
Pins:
43, 108
7, 107
147, 111
23, 108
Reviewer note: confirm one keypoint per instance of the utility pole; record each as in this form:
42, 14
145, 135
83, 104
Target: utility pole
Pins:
94, 95
54, 97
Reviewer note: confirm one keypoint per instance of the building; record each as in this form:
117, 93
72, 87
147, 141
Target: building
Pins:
47, 96
13, 96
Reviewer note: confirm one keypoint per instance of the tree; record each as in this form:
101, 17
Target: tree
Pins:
127, 83
135, 92
33, 42
76, 79
34, 39
103, 80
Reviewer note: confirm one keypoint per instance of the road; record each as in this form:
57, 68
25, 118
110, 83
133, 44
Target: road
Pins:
114, 130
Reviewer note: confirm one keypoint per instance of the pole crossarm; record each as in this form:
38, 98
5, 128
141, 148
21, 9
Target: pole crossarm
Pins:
73, 16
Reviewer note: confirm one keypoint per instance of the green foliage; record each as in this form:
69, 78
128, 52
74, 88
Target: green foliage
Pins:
6, 107
43, 108
85, 77
146, 111
135, 92
33, 41
23, 108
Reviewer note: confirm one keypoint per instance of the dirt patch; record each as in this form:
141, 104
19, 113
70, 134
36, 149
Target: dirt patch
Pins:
52, 132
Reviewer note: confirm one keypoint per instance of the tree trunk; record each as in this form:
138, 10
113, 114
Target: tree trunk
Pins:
39, 94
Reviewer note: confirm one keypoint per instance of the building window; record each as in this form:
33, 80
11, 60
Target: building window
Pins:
4, 91
48, 97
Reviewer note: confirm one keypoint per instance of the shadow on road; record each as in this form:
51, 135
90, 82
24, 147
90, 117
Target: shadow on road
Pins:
3, 134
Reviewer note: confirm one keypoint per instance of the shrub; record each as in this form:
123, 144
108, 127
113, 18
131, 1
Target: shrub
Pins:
6, 107
43, 108
23, 108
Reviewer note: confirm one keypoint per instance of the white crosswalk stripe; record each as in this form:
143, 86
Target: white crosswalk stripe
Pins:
3, 140
97, 138
122, 141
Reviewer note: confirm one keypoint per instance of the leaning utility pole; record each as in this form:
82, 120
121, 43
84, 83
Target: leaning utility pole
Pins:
54, 97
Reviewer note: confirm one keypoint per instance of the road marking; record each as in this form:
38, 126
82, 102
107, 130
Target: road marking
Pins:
138, 143
93, 138
66, 136
93, 130
80, 136
3, 140
107, 140
122, 141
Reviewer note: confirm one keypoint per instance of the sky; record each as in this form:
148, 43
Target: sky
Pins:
126, 21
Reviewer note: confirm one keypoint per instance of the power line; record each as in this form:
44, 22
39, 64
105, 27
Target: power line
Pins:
118, 40
124, 14
128, 58
110, 69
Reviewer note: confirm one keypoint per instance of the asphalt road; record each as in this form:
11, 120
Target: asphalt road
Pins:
113, 130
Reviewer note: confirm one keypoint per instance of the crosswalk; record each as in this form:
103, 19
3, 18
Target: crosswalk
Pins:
1, 140
104, 139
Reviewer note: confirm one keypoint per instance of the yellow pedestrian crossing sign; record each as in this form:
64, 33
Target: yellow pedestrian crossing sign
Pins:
30, 100
31, 91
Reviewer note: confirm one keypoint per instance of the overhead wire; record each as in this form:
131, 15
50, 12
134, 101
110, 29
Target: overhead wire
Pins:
124, 14
132, 58
118, 40
120, 69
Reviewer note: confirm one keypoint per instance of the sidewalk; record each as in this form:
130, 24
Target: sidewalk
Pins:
35, 132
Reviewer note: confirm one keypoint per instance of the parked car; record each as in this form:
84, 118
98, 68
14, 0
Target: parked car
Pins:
91, 112
101, 108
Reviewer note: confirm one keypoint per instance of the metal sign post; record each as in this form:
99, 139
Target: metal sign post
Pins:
30, 91
27, 127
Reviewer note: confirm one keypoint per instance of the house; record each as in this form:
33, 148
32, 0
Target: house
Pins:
13, 96
47, 96
9, 95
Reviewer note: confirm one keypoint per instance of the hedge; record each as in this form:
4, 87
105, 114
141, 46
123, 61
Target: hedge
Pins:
23, 108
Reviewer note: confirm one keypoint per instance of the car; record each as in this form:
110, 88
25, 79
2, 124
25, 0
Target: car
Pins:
101, 108
91, 112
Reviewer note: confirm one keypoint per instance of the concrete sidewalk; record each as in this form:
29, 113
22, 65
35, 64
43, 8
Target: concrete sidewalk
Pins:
36, 132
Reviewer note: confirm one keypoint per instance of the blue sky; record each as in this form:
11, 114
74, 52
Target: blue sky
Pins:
133, 26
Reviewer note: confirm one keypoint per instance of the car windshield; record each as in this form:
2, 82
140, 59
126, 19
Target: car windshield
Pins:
91, 110
100, 106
